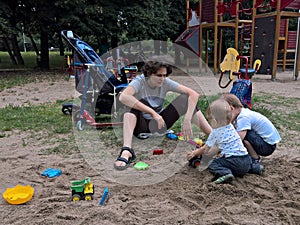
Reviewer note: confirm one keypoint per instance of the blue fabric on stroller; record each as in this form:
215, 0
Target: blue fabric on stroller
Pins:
97, 85
242, 88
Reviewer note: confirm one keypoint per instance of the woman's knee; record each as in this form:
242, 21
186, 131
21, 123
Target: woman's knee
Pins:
129, 116
182, 98
180, 104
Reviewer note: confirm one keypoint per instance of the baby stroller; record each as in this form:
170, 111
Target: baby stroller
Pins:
98, 86
242, 87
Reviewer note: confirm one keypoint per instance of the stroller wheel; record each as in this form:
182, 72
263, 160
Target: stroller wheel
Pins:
81, 124
67, 110
68, 107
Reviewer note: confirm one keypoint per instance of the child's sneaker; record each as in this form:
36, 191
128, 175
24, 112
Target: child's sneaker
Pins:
256, 168
226, 179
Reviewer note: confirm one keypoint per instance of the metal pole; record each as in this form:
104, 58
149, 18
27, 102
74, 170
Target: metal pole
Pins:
297, 54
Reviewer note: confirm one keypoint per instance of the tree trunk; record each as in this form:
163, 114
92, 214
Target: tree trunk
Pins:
156, 47
11, 55
61, 45
177, 55
16, 50
114, 45
34, 44
44, 61
164, 47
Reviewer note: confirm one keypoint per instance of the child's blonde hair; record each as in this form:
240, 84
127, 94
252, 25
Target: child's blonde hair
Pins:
232, 100
219, 111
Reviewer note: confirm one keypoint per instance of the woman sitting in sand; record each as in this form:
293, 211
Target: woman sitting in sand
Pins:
233, 159
145, 97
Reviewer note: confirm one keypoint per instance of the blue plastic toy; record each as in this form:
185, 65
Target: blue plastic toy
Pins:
50, 172
172, 136
104, 196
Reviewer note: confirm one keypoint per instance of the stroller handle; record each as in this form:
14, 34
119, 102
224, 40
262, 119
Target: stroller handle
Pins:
92, 65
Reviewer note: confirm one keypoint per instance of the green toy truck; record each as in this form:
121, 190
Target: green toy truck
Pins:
82, 189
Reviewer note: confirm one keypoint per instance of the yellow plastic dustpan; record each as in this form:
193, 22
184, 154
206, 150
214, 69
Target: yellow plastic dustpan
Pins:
18, 194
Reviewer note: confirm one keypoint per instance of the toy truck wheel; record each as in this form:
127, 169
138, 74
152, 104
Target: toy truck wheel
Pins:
75, 197
195, 162
88, 197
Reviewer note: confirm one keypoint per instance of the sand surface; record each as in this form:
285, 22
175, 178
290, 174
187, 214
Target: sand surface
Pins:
171, 193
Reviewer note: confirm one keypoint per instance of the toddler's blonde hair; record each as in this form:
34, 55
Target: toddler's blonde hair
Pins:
219, 111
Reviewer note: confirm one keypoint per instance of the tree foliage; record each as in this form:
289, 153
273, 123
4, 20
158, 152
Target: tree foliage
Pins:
118, 21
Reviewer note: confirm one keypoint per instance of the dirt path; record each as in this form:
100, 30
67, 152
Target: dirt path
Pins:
50, 91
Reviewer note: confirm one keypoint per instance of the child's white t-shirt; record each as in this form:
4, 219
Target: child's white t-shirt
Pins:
251, 120
227, 140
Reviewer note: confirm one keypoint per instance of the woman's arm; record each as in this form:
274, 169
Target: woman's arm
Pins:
193, 97
128, 99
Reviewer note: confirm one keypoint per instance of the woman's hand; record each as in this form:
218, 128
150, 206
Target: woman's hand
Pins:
187, 129
159, 119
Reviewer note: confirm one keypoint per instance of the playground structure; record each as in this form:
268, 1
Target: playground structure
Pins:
267, 39
260, 31
121, 65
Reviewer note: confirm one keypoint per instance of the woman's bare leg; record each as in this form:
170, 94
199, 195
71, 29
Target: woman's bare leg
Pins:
129, 123
201, 122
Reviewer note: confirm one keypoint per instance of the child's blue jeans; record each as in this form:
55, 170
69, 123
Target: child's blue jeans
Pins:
235, 165
260, 146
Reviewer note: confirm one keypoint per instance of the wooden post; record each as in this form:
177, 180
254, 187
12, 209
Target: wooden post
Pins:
276, 42
187, 13
206, 51
200, 36
187, 26
297, 53
236, 27
252, 32
286, 32
215, 37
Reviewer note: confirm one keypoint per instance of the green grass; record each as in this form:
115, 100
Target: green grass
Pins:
30, 61
46, 120
275, 108
35, 118
48, 117
10, 79
58, 128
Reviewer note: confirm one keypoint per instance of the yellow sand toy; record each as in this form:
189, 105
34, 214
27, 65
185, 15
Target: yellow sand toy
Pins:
18, 194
